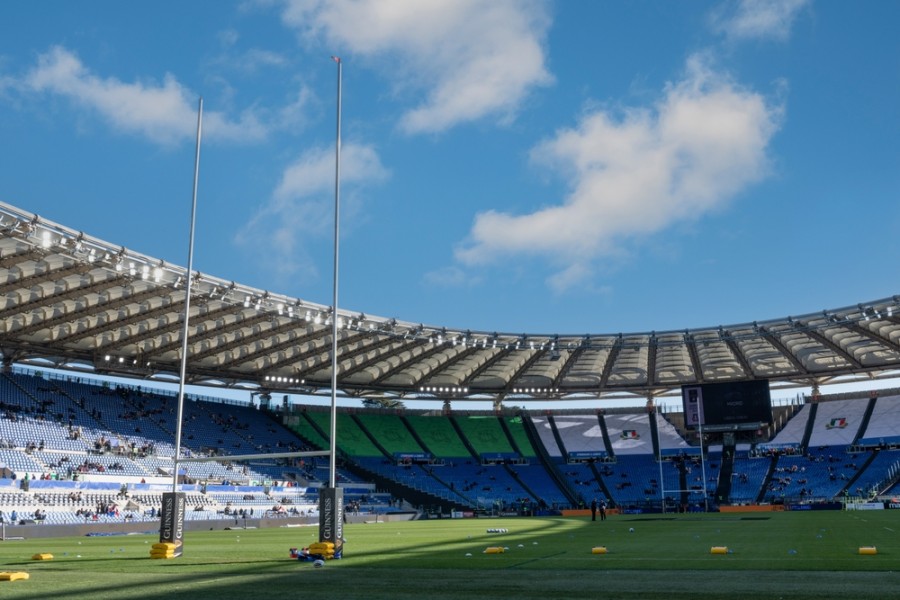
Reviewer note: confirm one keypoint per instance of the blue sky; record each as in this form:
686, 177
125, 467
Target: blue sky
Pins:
516, 166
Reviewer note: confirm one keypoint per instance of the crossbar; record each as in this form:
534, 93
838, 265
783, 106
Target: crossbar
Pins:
254, 456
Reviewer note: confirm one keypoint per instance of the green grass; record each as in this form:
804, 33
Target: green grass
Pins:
773, 555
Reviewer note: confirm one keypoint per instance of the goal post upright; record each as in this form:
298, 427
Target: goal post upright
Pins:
331, 499
171, 529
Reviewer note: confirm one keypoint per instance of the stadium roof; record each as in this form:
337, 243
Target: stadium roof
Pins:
71, 301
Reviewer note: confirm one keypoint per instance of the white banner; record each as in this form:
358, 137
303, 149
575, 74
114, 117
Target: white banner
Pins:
865, 506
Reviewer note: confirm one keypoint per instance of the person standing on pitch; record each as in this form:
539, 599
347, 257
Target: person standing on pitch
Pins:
594, 509
603, 510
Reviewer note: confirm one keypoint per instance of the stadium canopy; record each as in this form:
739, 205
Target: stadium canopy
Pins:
71, 301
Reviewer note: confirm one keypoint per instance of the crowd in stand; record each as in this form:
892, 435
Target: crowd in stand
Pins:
233, 429
14, 517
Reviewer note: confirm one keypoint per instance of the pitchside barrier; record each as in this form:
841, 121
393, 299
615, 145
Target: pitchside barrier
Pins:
586, 512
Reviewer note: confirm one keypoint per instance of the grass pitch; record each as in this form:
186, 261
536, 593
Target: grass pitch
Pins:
771, 555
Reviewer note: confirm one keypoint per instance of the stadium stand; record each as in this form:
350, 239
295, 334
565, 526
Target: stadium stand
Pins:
486, 436
545, 434
884, 425
74, 451
837, 422
438, 435
391, 433
748, 476
630, 434
581, 435
519, 436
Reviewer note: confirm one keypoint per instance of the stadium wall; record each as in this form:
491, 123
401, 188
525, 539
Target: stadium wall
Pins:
94, 529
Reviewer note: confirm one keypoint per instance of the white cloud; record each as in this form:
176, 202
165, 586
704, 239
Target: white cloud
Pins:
302, 205
471, 58
568, 276
757, 19
636, 173
228, 37
450, 276
250, 60
255, 58
295, 113
165, 113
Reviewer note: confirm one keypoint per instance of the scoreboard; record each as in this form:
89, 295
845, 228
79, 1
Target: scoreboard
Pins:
731, 406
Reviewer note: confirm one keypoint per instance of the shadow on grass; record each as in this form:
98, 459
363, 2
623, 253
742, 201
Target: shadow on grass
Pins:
547, 558
302, 580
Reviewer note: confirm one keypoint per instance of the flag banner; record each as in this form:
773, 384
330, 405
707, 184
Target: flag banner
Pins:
692, 398
171, 528
588, 454
331, 518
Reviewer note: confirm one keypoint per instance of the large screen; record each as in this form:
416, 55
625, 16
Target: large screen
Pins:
726, 406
